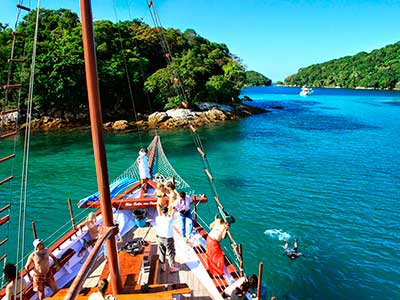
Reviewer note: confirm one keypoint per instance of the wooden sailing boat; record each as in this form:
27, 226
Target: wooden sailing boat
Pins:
135, 276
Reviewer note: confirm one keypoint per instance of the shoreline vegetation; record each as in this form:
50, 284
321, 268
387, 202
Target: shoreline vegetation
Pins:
376, 70
135, 73
207, 114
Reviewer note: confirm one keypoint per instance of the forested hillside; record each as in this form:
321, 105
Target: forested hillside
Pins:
379, 69
207, 70
254, 78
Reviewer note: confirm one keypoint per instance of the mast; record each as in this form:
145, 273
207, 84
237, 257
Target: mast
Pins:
98, 138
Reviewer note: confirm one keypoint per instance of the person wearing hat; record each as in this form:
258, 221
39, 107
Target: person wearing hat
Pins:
143, 166
42, 273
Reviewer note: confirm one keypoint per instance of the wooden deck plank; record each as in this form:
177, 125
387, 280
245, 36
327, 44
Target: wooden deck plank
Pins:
155, 291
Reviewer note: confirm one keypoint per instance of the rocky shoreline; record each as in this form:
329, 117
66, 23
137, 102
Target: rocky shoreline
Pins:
206, 114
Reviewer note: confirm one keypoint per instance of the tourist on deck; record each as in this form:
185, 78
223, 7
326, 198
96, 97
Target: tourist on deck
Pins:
42, 274
16, 286
91, 223
160, 192
292, 253
143, 166
215, 255
182, 206
172, 194
165, 236
102, 287
239, 293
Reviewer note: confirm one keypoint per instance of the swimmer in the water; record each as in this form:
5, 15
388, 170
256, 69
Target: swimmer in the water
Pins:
292, 253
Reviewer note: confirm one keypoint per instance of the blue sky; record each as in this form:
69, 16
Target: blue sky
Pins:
275, 38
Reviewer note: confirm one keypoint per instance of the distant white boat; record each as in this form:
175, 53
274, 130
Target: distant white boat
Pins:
306, 91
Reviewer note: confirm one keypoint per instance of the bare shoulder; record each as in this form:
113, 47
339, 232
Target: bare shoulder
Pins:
30, 257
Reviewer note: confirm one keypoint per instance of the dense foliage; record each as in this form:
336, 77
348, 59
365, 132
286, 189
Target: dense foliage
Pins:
254, 78
379, 69
126, 52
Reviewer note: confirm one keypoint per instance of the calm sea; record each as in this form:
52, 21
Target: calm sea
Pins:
323, 169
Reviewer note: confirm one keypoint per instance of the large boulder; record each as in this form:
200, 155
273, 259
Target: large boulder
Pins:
156, 118
181, 113
120, 125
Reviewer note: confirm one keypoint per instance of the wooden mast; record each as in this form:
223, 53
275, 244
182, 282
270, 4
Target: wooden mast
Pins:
98, 138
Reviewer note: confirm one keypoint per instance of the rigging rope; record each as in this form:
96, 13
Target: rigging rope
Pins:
24, 175
162, 171
177, 82
15, 118
127, 73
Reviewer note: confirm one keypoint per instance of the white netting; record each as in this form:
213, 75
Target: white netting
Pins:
161, 171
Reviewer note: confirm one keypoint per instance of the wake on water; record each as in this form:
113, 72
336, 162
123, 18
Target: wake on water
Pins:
277, 233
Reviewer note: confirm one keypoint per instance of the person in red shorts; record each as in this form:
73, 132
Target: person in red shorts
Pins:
42, 273
215, 255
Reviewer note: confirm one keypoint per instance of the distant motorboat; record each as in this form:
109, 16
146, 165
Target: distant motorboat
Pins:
306, 91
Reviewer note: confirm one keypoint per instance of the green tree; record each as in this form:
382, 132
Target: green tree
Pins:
254, 78
379, 69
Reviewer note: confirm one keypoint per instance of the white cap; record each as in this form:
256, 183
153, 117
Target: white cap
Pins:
37, 242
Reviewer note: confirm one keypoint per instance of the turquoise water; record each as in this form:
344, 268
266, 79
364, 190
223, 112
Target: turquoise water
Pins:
324, 170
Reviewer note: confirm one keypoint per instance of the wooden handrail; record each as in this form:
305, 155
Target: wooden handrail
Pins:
77, 284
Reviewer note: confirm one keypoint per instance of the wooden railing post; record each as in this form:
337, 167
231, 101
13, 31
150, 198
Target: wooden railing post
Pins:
71, 214
34, 230
260, 271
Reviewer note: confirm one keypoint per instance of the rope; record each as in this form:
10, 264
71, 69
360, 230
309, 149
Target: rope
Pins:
127, 73
179, 89
162, 171
24, 176
22, 205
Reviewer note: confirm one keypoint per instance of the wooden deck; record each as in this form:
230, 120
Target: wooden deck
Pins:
142, 271
141, 276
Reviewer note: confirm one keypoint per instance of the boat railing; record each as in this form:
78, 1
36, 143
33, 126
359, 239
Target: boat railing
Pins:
90, 262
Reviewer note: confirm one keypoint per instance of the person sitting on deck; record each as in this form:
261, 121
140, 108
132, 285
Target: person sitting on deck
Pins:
90, 223
143, 166
16, 286
253, 287
42, 274
182, 205
165, 237
215, 255
160, 193
102, 287
292, 253
240, 292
